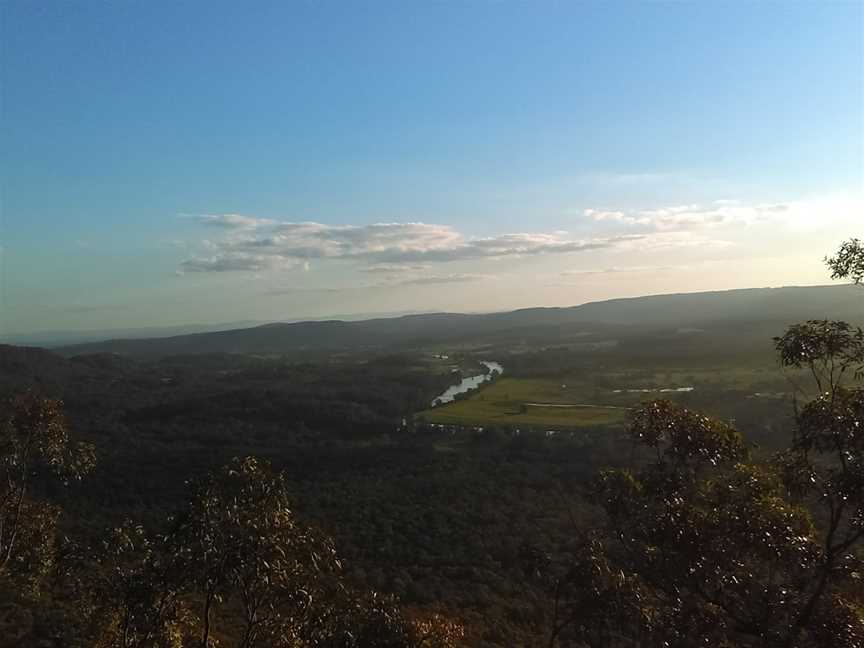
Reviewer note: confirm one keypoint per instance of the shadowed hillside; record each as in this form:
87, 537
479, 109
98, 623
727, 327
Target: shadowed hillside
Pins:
680, 310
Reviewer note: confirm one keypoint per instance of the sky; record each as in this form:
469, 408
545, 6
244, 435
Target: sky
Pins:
167, 163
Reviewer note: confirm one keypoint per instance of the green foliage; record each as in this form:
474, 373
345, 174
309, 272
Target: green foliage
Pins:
681, 437
828, 350
256, 576
708, 546
848, 262
596, 602
33, 442
133, 594
242, 545
705, 548
524, 402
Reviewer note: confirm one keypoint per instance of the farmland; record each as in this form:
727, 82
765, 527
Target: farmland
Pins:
526, 402
601, 396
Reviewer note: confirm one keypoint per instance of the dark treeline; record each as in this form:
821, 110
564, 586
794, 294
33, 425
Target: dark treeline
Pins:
410, 511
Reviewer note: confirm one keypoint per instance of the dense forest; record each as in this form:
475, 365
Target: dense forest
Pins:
227, 499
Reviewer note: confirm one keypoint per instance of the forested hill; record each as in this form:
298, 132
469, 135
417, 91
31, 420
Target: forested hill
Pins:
679, 310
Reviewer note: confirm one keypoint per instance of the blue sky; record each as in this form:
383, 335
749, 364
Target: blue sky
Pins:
158, 157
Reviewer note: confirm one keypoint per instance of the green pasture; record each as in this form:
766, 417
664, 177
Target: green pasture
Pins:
515, 401
591, 394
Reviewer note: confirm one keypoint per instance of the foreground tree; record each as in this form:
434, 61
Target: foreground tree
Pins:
708, 545
238, 565
369, 620
830, 353
848, 262
133, 596
245, 550
34, 444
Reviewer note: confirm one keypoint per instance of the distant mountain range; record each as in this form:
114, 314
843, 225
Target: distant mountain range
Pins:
67, 337
781, 305
61, 338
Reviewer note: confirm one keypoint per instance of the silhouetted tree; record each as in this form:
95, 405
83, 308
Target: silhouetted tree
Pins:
34, 443
243, 545
828, 350
374, 621
707, 545
848, 262
237, 553
133, 595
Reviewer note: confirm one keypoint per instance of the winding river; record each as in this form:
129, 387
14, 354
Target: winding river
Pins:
469, 383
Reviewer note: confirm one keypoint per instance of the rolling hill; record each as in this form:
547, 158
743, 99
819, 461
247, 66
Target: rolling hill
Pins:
706, 309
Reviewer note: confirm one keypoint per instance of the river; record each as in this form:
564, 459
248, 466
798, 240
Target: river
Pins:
469, 383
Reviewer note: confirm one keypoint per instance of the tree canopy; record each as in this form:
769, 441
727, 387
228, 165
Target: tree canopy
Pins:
848, 262
710, 543
702, 539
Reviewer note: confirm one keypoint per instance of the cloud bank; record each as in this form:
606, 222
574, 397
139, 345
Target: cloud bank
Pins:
260, 244
689, 217
414, 249
832, 211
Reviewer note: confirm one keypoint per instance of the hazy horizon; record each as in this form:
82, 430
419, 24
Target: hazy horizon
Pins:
63, 337
166, 165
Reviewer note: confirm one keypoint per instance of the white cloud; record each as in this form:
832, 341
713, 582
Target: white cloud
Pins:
832, 211
255, 245
266, 245
233, 221
427, 280
792, 215
621, 270
393, 268
689, 217
681, 240
238, 262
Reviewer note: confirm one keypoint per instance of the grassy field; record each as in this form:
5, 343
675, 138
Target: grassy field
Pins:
515, 401
602, 396
767, 377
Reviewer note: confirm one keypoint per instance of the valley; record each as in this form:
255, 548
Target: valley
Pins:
410, 493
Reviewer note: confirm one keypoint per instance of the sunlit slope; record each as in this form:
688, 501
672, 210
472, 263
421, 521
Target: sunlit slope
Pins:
523, 402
